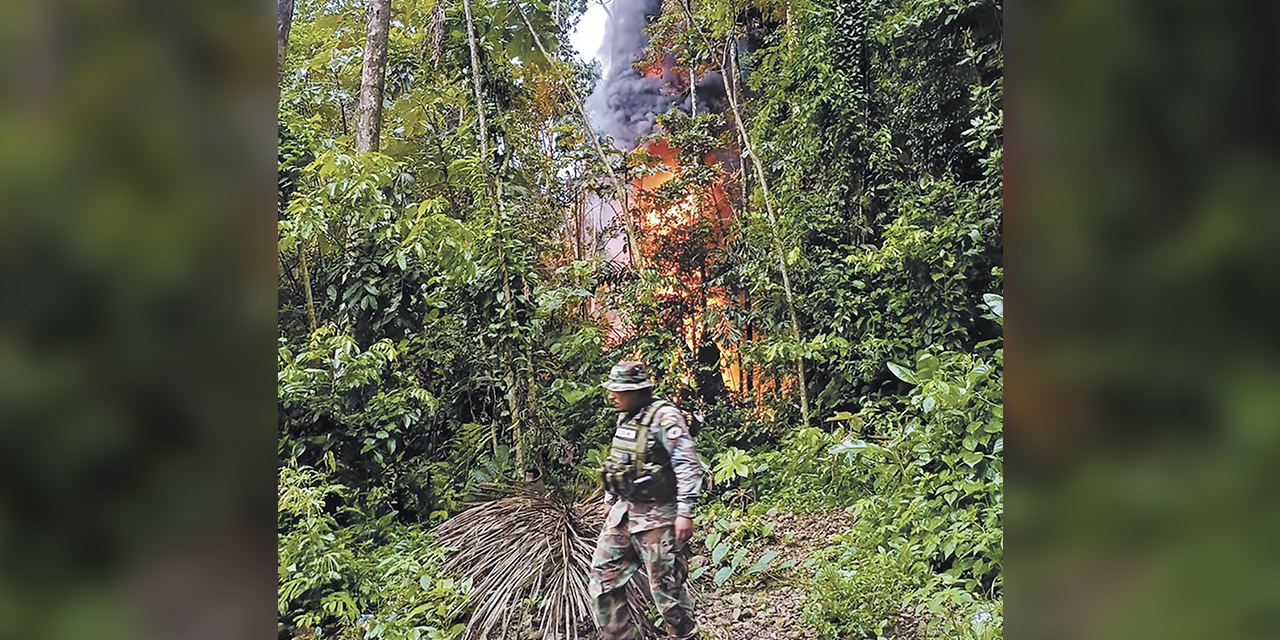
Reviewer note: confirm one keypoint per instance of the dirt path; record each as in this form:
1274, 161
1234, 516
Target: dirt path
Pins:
769, 606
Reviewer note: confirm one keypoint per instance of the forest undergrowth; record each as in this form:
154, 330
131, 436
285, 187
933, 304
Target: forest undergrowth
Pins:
830, 535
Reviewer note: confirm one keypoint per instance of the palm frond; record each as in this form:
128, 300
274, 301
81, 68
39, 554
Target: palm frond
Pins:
531, 547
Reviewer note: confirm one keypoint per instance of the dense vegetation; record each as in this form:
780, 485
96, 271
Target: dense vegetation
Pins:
444, 321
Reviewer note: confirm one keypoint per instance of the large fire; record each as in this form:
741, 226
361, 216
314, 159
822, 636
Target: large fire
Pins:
682, 232
660, 218
682, 216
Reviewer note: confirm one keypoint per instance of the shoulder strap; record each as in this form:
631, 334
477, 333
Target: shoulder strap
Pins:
651, 411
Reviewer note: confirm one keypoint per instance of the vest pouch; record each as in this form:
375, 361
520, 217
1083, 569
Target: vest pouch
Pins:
618, 477
656, 483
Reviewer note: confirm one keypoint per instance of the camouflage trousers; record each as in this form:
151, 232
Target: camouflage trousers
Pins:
618, 555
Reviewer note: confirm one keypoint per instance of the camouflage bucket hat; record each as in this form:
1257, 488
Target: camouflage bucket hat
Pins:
627, 375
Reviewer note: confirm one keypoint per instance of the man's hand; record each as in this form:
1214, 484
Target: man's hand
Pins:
684, 530
607, 507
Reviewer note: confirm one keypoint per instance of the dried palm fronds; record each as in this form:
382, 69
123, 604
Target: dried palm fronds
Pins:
531, 546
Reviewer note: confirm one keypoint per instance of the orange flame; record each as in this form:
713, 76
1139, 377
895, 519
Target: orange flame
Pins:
659, 218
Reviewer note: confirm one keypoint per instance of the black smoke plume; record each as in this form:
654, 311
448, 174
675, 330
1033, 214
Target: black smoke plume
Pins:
626, 101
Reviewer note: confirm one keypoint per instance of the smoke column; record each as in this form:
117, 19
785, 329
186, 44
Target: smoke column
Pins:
626, 101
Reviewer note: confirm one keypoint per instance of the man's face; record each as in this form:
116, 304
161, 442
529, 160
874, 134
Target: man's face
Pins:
626, 401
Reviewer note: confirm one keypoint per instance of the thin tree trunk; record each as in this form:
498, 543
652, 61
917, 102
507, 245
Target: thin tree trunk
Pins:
369, 113
483, 133
506, 351
368, 122
773, 221
693, 93
283, 24
306, 284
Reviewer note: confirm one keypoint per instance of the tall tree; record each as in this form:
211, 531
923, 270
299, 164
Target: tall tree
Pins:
476, 82
369, 111
731, 70
368, 115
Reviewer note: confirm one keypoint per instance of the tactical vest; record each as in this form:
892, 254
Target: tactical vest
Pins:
627, 473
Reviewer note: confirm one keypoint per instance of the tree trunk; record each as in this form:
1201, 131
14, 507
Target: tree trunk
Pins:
507, 349
283, 24
306, 283
368, 120
483, 133
369, 113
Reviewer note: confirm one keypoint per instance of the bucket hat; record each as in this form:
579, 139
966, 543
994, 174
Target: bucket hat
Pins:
627, 375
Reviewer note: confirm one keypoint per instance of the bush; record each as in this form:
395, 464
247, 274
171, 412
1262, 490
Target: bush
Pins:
371, 579
949, 612
932, 520
315, 555
858, 591
803, 474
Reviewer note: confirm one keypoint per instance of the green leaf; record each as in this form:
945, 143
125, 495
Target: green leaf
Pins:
861, 446
995, 302
712, 540
719, 553
903, 373
852, 446
926, 366
697, 573
723, 574
762, 563
738, 558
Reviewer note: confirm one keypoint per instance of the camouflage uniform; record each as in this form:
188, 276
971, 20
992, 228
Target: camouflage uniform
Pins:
638, 531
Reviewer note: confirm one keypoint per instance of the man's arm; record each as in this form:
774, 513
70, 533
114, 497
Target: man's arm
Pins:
674, 435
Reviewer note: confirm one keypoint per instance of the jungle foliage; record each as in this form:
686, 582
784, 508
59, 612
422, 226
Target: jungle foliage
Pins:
445, 318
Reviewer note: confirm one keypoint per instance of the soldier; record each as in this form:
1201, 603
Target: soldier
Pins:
652, 479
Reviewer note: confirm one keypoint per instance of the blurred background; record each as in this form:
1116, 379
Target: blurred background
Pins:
137, 235
1143, 387
137, 266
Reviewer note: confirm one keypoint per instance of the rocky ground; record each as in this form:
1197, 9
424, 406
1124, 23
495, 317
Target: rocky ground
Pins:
770, 605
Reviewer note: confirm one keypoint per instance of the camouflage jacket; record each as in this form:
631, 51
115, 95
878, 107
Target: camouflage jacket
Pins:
670, 443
